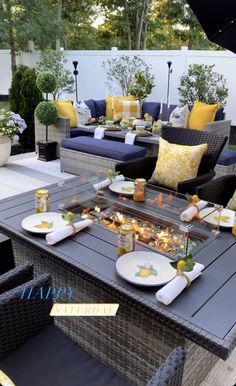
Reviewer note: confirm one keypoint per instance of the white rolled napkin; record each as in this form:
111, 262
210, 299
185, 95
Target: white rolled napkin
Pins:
103, 184
130, 138
170, 291
61, 234
99, 132
188, 214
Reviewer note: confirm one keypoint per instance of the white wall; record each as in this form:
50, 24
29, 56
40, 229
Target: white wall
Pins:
91, 80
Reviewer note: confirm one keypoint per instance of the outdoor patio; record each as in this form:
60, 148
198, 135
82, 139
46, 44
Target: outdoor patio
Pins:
24, 173
117, 193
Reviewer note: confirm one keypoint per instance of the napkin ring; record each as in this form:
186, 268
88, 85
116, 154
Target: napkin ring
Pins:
185, 276
73, 227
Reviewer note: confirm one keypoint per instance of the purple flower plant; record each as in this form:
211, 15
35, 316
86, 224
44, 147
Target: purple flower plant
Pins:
11, 124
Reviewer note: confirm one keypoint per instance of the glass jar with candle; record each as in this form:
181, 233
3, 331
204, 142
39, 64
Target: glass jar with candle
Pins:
125, 239
234, 226
139, 189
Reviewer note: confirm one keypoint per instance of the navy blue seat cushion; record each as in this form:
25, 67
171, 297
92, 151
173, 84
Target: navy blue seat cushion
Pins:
227, 157
100, 107
109, 149
151, 108
52, 359
78, 132
91, 105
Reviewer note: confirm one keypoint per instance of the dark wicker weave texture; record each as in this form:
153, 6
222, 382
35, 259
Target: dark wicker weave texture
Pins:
219, 190
16, 277
171, 372
21, 319
145, 167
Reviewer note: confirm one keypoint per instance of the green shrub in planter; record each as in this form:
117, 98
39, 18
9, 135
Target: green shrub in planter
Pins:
46, 113
46, 82
29, 98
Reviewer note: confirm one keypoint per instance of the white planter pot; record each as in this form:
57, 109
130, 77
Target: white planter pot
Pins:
5, 149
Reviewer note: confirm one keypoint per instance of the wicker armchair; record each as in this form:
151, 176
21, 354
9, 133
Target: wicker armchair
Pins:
16, 277
145, 167
50, 357
219, 190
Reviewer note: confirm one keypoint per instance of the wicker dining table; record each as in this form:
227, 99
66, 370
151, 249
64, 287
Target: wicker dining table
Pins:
141, 335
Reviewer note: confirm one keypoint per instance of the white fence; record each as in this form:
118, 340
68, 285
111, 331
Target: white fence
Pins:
91, 80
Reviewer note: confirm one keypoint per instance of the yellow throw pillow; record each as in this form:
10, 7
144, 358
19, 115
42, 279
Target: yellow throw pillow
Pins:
126, 109
176, 163
111, 103
65, 109
201, 114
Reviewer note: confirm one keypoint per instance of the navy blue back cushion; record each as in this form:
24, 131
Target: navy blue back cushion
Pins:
91, 105
151, 108
100, 107
219, 114
165, 111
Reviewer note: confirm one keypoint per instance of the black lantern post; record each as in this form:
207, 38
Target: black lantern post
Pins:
168, 89
75, 72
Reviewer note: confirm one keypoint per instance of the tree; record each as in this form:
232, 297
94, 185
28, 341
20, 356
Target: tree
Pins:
54, 61
185, 27
22, 21
130, 19
15, 89
121, 71
30, 96
204, 84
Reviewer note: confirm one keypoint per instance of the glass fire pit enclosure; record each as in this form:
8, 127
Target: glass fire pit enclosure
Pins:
156, 221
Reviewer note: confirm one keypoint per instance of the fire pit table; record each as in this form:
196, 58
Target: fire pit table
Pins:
144, 331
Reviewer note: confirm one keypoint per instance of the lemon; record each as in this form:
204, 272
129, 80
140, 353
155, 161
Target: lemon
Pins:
145, 272
194, 199
180, 266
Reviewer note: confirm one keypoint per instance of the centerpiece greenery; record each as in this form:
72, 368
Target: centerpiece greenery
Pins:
142, 85
204, 84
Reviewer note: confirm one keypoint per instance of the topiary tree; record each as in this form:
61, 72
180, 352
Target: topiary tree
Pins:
29, 98
14, 91
54, 61
204, 84
46, 82
46, 112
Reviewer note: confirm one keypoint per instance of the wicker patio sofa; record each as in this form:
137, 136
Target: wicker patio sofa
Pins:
145, 167
51, 357
61, 129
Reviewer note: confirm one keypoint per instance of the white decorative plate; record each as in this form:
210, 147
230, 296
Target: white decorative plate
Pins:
123, 187
227, 217
145, 268
52, 220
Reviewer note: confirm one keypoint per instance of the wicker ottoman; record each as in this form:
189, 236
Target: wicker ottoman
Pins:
96, 154
226, 163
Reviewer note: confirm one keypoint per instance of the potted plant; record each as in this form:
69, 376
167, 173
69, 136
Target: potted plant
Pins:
204, 84
142, 85
47, 114
11, 125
